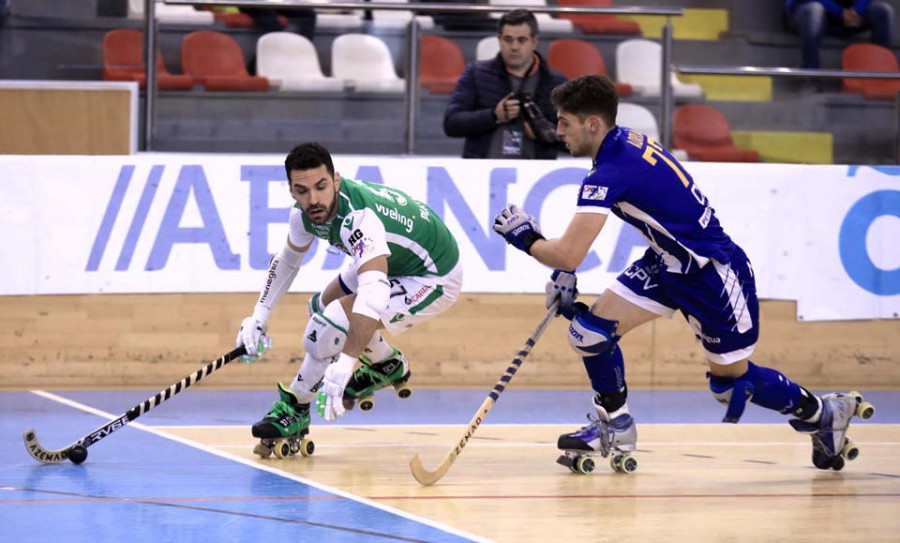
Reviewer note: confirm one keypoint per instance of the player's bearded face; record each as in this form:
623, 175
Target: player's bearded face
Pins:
315, 191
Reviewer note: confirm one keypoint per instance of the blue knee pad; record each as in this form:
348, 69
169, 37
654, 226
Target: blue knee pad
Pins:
595, 340
763, 386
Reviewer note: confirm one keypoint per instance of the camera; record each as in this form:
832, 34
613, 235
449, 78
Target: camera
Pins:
544, 131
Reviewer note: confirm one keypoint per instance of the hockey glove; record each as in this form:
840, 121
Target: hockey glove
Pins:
519, 229
563, 286
252, 336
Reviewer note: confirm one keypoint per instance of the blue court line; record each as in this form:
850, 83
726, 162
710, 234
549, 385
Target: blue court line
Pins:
151, 486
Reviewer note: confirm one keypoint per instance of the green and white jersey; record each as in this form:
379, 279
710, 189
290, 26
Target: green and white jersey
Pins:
374, 220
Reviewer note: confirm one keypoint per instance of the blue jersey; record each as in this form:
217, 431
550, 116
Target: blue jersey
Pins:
640, 182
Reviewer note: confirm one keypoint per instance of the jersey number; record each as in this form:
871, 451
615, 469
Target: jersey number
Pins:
654, 152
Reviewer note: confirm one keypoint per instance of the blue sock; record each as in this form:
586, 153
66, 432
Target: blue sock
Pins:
767, 388
607, 374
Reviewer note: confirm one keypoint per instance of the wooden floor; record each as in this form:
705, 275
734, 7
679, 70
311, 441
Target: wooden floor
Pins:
694, 482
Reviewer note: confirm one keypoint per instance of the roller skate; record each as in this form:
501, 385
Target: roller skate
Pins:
284, 429
370, 377
831, 446
615, 438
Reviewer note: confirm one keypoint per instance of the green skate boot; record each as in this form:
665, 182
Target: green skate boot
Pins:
371, 377
283, 430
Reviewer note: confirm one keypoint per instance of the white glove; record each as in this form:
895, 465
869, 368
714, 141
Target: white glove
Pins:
252, 336
330, 403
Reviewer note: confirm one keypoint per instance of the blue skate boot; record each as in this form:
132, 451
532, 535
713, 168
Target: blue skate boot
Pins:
370, 377
284, 429
831, 446
615, 438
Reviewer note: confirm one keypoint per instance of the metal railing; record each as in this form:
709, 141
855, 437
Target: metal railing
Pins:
412, 68
794, 73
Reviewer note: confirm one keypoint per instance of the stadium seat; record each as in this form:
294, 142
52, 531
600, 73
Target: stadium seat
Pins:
364, 63
703, 132
639, 63
574, 58
598, 24
290, 62
642, 120
215, 60
337, 20
868, 57
440, 64
123, 60
546, 23
487, 48
384, 19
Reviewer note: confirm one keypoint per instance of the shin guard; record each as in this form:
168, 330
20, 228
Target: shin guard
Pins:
763, 386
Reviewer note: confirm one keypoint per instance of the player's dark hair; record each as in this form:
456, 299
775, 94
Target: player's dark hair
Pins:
518, 17
588, 95
308, 156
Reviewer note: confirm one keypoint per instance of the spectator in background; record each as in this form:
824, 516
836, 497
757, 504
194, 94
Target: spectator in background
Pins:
4, 9
840, 18
502, 106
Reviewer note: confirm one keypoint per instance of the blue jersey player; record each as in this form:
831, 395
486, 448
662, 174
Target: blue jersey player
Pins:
691, 266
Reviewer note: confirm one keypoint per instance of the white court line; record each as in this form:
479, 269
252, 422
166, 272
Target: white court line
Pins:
234, 458
641, 445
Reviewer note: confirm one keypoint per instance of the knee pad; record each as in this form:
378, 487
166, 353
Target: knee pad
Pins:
326, 332
763, 386
590, 335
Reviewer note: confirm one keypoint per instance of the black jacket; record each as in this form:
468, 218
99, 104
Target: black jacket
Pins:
470, 113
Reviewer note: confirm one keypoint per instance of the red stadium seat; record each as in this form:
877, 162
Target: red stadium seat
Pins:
703, 132
867, 57
598, 24
123, 60
216, 61
440, 65
574, 58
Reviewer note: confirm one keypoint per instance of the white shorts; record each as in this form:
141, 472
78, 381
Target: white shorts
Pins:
414, 299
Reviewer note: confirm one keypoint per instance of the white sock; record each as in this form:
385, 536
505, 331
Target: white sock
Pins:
378, 350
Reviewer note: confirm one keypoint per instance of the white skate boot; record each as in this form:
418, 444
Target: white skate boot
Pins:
831, 446
616, 438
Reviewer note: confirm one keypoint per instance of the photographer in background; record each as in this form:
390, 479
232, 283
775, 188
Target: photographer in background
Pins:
502, 106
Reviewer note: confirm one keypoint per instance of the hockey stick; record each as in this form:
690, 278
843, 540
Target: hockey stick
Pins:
77, 451
427, 477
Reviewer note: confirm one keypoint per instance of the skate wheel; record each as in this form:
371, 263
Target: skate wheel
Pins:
629, 464
282, 449
348, 403
615, 462
850, 450
307, 447
584, 464
837, 464
856, 395
865, 410
403, 391
263, 451
367, 403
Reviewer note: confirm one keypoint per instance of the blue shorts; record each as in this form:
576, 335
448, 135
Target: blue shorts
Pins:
719, 301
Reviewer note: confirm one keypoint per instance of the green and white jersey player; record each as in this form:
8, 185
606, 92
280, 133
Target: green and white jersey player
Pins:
405, 269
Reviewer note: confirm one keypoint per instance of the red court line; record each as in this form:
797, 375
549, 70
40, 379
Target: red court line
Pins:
637, 496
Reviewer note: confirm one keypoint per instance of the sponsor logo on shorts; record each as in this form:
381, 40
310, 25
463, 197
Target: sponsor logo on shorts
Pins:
593, 192
397, 318
416, 296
